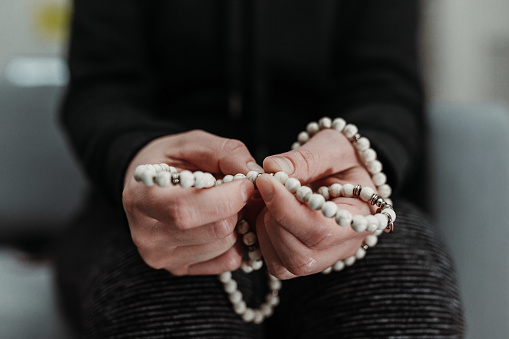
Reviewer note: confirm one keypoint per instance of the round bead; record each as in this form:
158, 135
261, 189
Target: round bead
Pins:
328, 270
199, 179
165, 167
256, 264
186, 179
230, 286
292, 184
343, 218
259, 317
368, 155
389, 201
350, 260
329, 209
312, 128
382, 220
316, 201
339, 124
248, 315
246, 268
239, 176
360, 254
266, 309
303, 193
371, 240
324, 191
228, 178
158, 168
335, 190
163, 179
350, 130
372, 223
138, 172
362, 144
359, 223
325, 122
384, 190
379, 178
219, 182
281, 177
147, 177
348, 190
242, 227
210, 181
249, 239
240, 307
302, 138
275, 285
225, 277
172, 169
390, 212
295, 145
235, 297
367, 193
252, 175
374, 166
338, 266
255, 255
272, 299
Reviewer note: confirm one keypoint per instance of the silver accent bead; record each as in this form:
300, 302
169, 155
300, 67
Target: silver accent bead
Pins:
357, 190
374, 199
175, 178
380, 202
356, 137
364, 246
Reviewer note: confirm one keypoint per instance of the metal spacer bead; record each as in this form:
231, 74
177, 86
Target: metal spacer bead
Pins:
357, 190
386, 205
389, 218
364, 246
389, 228
175, 178
356, 137
374, 199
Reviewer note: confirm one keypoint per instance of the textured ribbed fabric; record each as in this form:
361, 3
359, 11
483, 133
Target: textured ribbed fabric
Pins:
405, 287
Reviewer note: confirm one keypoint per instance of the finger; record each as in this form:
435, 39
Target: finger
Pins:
309, 226
186, 208
216, 154
328, 152
228, 261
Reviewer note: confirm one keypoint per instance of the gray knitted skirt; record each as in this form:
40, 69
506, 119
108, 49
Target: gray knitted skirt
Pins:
404, 287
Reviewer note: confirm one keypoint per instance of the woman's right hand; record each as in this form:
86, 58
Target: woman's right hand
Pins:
189, 231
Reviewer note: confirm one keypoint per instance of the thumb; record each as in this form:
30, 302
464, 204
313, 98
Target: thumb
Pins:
326, 153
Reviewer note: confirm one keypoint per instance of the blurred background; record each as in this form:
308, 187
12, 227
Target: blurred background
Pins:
465, 57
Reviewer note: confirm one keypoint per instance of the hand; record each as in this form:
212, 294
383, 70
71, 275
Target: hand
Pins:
183, 230
295, 240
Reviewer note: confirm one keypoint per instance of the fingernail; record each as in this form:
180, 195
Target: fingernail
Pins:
285, 164
243, 191
253, 166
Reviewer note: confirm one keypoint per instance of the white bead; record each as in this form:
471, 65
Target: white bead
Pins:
147, 177
325, 122
324, 191
350, 130
281, 177
343, 218
302, 138
249, 239
389, 201
339, 124
379, 179
303, 193
368, 155
328, 270
378, 232
348, 190
316, 201
360, 254
338, 266
267, 310
228, 178
390, 212
248, 315
173, 169
240, 307
275, 285
165, 167
367, 193
312, 128
158, 168
295, 145
186, 179
163, 179
335, 190
230, 286
239, 176
329, 209
350, 260
371, 240
242, 227
374, 166
246, 268
235, 297
292, 184
199, 179
219, 182
210, 181
372, 223
272, 299
259, 317
256, 264
382, 220
384, 190
225, 277
252, 175
138, 172
362, 144
255, 255
359, 223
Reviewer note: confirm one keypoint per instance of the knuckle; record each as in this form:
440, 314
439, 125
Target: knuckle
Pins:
233, 145
306, 158
180, 215
319, 240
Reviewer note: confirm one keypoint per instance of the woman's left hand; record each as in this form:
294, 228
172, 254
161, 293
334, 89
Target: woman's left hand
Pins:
296, 240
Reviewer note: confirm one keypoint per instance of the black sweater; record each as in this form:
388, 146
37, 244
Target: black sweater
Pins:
257, 71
